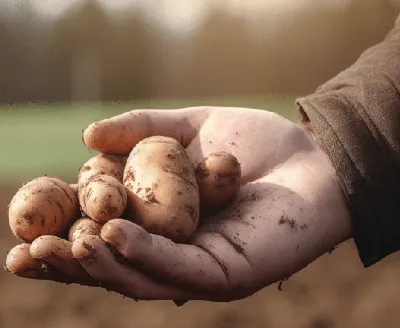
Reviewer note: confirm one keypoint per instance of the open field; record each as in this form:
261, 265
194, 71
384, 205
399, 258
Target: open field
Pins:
47, 139
335, 291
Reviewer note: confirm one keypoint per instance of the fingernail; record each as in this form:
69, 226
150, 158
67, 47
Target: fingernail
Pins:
113, 235
85, 252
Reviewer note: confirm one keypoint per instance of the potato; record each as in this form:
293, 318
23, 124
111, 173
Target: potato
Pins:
83, 227
101, 193
218, 177
102, 164
43, 206
161, 186
103, 198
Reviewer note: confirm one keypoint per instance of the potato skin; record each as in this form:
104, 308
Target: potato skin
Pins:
83, 227
101, 193
102, 164
218, 177
103, 198
43, 206
161, 186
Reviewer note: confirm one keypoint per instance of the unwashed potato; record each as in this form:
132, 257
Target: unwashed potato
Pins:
218, 177
84, 227
43, 206
161, 186
102, 164
102, 195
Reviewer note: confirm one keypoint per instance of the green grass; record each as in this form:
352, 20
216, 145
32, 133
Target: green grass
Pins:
40, 139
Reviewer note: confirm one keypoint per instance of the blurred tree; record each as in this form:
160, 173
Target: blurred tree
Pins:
323, 40
86, 55
223, 58
81, 38
132, 58
7, 61
22, 57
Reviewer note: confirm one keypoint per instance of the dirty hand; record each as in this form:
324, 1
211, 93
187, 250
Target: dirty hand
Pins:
289, 211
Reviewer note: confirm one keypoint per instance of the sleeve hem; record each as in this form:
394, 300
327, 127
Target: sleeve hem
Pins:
358, 189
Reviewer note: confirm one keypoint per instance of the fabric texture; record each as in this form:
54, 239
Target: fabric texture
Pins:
355, 117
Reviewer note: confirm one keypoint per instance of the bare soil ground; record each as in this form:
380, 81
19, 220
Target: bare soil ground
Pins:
335, 291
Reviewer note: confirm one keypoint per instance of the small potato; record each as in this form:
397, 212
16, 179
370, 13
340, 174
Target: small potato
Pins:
43, 206
102, 164
218, 177
83, 227
101, 193
161, 186
103, 198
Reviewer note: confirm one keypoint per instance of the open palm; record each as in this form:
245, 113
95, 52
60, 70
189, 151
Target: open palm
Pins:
289, 211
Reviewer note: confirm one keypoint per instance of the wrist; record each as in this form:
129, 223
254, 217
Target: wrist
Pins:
332, 200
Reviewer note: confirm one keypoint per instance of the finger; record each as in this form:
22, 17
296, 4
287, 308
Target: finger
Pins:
186, 265
57, 252
20, 262
119, 134
99, 261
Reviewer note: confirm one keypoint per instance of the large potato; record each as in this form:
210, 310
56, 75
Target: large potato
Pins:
43, 206
161, 187
101, 193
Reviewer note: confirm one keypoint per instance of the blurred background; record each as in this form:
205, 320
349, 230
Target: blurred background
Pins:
65, 64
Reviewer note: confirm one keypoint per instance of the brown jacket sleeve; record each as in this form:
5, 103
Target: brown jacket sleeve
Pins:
356, 119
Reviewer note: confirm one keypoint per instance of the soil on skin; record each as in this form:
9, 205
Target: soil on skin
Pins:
335, 291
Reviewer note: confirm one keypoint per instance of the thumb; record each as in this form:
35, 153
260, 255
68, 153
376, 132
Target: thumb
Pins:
119, 134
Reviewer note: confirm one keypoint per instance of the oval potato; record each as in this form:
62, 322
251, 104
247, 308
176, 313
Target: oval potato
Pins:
43, 206
101, 193
161, 186
103, 198
102, 164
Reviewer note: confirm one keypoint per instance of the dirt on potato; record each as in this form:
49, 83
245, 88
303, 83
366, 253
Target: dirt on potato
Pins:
335, 291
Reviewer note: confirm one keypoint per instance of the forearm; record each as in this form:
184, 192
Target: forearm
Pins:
356, 119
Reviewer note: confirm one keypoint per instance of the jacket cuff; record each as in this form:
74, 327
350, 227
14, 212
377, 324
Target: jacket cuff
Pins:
363, 167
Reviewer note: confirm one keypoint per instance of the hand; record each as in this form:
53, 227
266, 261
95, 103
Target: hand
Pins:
289, 211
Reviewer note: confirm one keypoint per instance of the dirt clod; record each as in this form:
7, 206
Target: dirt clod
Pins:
286, 220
